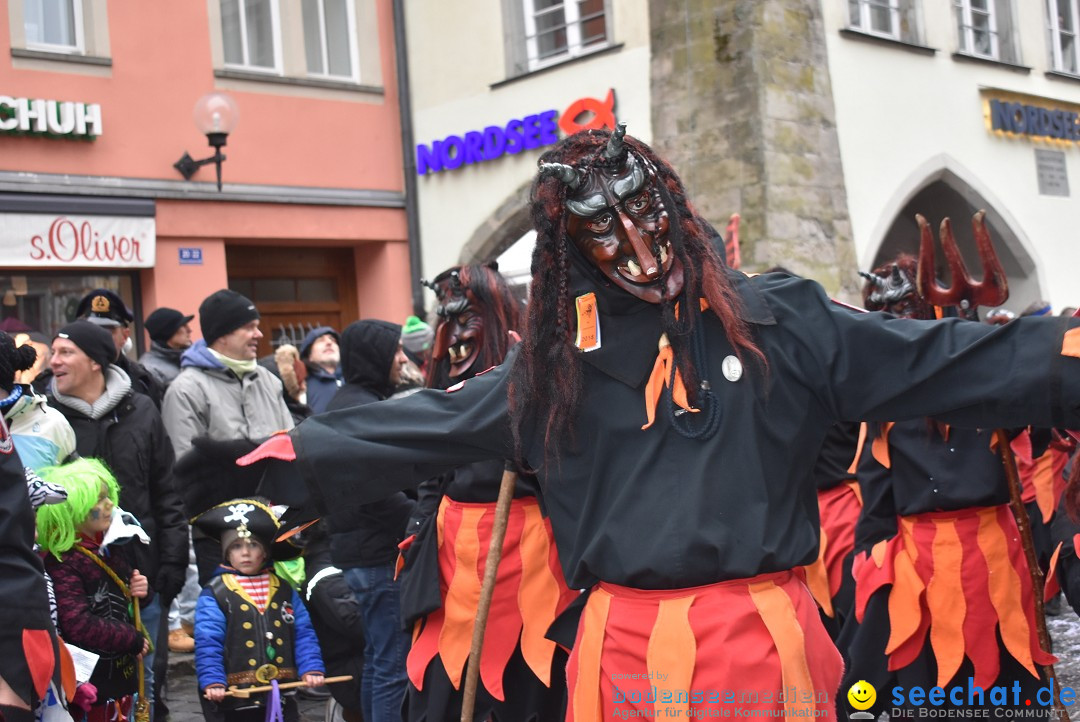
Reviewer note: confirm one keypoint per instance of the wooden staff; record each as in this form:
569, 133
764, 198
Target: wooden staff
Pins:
246, 692
142, 707
487, 588
1023, 523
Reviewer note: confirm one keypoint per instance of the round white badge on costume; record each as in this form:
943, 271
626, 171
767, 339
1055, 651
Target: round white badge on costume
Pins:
732, 368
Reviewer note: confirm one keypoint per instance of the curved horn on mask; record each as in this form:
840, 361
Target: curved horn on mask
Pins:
875, 280
567, 174
615, 143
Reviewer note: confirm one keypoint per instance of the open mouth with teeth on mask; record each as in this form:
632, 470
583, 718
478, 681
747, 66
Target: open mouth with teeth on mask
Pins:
462, 354
632, 271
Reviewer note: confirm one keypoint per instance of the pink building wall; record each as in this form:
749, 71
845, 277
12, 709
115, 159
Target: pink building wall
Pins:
161, 63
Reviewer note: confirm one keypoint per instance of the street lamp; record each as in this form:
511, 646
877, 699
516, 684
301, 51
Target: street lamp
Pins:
215, 115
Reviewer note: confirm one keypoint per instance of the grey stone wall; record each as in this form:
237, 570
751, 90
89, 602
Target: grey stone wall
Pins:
742, 107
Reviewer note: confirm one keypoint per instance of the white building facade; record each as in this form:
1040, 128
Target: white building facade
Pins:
938, 107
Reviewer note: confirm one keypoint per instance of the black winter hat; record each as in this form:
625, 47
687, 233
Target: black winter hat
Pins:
104, 308
13, 359
223, 312
163, 323
95, 342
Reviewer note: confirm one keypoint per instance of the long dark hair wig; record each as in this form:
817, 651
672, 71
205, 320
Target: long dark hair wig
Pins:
546, 385
490, 296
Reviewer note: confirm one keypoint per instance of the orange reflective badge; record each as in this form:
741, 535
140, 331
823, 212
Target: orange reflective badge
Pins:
588, 323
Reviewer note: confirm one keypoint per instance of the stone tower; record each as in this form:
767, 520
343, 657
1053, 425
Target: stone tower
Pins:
742, 106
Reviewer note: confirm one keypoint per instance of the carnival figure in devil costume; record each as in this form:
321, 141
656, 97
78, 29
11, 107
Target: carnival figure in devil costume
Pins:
673, 410
522, 674
944, 592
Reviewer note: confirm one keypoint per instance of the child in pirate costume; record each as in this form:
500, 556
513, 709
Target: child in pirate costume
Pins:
95, 582
673, 410
943, 589
522, 674
251, 629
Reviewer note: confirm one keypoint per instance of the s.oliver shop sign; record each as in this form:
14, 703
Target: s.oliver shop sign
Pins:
37, 240
525, 133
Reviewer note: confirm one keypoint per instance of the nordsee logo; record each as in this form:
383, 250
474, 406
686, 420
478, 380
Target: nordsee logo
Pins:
1034, 120
512, 137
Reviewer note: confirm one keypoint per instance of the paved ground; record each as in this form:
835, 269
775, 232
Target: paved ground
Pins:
183, 695
1064, 627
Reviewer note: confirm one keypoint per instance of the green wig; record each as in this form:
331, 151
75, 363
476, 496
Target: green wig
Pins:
58, 524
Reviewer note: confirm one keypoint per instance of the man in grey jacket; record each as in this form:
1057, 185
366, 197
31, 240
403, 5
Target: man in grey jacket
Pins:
223, 393
170, 336
247, 399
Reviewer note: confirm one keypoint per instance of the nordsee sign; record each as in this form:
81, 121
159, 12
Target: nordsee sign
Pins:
1039, 119
513, 136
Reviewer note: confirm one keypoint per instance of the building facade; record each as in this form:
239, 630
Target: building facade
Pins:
826, 124
96, 102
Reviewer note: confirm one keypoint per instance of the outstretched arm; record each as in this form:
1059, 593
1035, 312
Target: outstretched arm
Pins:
366, 453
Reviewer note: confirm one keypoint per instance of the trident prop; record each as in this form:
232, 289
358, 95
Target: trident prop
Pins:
967, 295
964, 293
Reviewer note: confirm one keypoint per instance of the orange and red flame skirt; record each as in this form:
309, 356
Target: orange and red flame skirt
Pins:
839, 507
519, 668
958, 581
750, 644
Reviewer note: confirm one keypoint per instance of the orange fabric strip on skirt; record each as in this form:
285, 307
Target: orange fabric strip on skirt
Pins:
529, 593
744, 644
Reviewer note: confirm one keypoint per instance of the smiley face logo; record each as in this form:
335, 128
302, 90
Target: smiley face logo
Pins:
862, 695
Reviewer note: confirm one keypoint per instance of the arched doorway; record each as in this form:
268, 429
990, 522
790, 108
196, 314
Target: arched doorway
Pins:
945, 194
508, 236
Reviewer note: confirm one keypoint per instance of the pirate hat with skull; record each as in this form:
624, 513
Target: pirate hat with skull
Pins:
240, 519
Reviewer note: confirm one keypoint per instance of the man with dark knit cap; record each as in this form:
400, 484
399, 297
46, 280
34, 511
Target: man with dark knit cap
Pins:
222, 366
124, 429
222, 391
170, 336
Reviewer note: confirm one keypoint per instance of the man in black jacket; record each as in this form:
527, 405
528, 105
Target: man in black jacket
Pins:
123, 428
364, 538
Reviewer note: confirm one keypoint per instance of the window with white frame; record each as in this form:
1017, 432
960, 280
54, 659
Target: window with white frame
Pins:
54, 25
987, 29
1062, 19
250, 35
977, 23
886, 18
330, 39
556, 30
